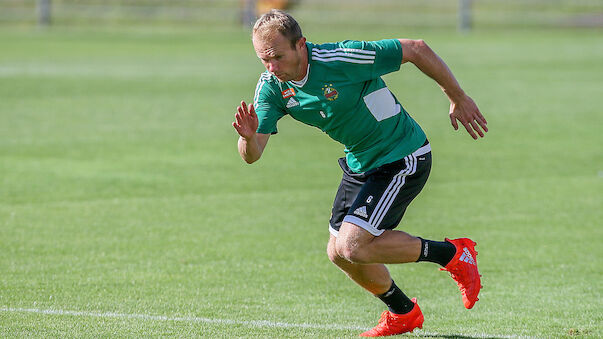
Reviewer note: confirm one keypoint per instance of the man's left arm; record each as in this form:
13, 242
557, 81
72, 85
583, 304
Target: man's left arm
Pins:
462, 108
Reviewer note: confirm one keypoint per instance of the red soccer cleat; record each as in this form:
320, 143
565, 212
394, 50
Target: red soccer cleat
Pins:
463, 269
392, 324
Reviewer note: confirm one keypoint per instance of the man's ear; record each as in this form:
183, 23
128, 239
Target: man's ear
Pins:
301, 42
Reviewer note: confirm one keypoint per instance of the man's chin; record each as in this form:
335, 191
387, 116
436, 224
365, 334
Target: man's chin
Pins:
282, 77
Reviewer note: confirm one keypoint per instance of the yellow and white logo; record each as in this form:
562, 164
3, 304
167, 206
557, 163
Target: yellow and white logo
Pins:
330, 92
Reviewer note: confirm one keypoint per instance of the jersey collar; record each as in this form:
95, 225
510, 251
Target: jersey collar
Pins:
303, 81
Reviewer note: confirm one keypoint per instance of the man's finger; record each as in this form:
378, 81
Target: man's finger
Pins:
243, 107
476, 128
454, 123
239, 119
470, 131
240, 129
483, 124
481, 118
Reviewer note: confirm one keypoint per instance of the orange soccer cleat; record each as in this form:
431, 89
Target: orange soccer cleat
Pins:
463, 269
392, 324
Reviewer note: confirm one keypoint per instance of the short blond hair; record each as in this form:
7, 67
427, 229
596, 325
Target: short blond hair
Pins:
278, 21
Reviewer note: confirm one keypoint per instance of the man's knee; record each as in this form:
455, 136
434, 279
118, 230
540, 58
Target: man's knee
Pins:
332, 251
352, 244
350, 251
339, 254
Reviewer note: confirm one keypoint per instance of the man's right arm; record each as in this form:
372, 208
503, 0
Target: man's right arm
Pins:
251, 144
251, 149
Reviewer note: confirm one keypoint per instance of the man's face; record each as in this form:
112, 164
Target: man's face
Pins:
279, 58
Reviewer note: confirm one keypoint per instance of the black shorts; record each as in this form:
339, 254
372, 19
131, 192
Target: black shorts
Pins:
377, 199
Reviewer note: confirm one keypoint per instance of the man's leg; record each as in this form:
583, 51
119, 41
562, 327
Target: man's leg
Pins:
404, 315
392, 247
374, 278
458, 256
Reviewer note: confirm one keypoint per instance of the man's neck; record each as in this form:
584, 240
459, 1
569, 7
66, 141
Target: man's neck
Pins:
303, 65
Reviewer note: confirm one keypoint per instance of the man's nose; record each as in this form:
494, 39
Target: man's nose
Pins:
272, 67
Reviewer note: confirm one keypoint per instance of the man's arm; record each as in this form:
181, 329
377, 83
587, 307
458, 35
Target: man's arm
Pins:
251, 144
462, 107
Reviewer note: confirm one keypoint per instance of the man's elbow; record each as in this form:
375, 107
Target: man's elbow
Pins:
250, 160
413, 50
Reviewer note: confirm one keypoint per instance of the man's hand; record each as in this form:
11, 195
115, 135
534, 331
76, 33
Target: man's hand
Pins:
246, 121
251, 144
462, 107
465, 110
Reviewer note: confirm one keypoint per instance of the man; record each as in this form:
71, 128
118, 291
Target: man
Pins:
337, 87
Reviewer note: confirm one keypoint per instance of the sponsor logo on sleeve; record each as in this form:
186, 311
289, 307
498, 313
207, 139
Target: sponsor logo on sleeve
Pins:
289, 92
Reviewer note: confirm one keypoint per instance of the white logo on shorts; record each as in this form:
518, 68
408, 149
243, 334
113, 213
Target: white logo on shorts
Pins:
361, 211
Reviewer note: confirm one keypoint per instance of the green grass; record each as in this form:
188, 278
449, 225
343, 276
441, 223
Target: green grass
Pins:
122, 193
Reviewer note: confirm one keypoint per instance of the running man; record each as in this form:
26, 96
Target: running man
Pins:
338, 88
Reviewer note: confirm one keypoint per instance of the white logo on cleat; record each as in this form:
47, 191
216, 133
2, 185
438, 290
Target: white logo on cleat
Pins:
361, 211
466, 256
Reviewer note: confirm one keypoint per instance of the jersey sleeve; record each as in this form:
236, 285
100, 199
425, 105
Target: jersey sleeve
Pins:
373, 58
267, 106
388, 55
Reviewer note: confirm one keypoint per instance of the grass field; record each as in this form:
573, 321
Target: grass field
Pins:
125, 210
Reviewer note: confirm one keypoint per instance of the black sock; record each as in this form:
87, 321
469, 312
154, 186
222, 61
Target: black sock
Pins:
396, 300
439, 252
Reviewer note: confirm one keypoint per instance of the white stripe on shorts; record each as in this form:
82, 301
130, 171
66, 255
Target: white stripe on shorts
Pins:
389, 195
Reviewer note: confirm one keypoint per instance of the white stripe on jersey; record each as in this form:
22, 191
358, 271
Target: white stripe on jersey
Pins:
258, 88
353, 50
351, 55
354, 61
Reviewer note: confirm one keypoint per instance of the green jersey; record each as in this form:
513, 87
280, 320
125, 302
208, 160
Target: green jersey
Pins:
343, 95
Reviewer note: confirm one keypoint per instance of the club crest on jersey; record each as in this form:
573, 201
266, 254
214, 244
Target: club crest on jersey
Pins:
289, 92
330, 92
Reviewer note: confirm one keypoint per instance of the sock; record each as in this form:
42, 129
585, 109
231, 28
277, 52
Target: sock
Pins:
396, 300
439, 252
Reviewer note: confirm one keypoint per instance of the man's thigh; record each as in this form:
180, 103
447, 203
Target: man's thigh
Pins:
379, 203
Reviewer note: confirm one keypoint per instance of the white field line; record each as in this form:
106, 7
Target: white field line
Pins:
249, 323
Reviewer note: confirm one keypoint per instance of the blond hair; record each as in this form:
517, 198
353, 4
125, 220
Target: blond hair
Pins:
277, 21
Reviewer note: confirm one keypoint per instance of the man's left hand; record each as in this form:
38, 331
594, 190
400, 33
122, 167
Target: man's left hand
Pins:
466, 112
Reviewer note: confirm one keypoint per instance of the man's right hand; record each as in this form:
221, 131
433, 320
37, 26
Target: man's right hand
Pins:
246, 121
251, 144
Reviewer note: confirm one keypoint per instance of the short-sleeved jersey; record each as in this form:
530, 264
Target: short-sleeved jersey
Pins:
344, 95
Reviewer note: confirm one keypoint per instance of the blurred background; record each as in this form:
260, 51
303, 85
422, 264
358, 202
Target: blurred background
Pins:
122, 191
464, 14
